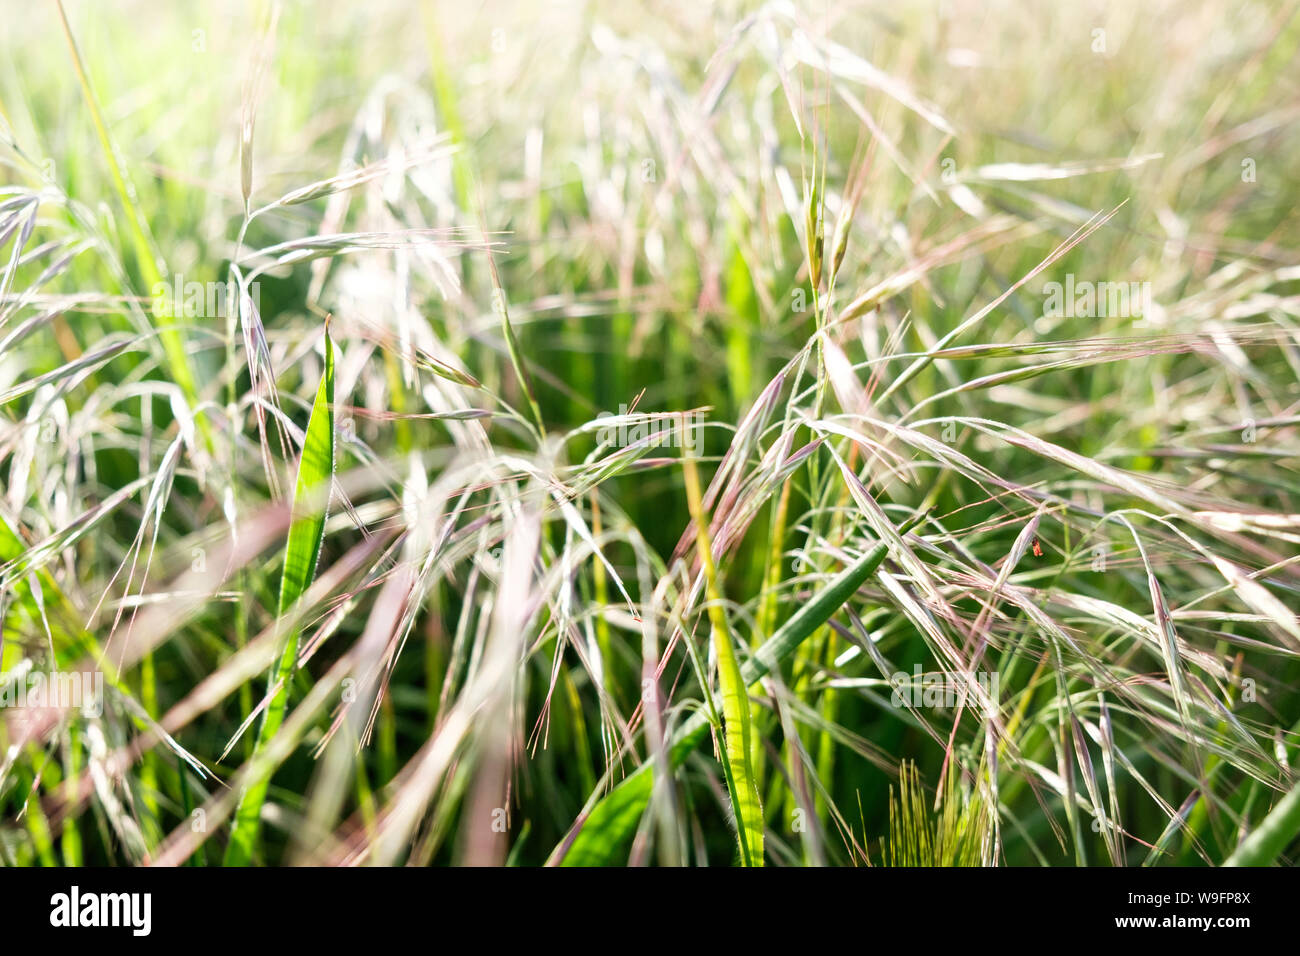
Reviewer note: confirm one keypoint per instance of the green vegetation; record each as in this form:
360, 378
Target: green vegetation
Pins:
735, 434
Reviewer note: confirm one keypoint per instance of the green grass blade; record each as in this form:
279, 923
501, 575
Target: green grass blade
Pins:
310, 505
177, 358
737, 725
315, 470
1267, 841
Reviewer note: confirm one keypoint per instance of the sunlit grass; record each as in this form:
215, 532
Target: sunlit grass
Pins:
698, 412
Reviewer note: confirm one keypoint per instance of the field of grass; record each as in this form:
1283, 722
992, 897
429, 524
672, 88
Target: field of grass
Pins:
664, 433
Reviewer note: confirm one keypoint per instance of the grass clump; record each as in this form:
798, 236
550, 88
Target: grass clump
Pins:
701, 431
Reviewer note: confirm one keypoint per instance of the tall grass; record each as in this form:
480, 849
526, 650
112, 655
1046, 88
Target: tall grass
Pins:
697, 410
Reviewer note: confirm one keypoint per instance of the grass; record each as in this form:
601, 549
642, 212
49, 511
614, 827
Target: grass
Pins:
600, 437
302, 552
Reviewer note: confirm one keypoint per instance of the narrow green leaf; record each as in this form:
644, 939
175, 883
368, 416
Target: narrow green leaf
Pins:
310, 507
1267, 841
173, 344
737, 725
